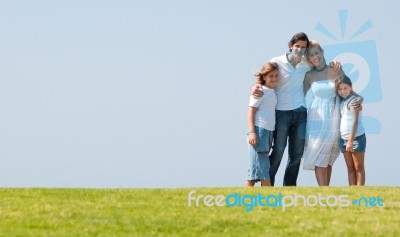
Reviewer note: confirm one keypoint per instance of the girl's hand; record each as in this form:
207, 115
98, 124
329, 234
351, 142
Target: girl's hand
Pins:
349, 146
253, 139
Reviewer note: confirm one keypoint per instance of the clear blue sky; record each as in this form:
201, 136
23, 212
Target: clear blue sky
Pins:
155, 93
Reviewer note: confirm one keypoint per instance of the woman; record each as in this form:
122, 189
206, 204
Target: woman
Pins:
323, 119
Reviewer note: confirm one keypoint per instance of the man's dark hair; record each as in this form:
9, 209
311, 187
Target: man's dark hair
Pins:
299, 36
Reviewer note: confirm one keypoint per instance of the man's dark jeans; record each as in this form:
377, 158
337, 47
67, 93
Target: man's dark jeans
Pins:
290, 125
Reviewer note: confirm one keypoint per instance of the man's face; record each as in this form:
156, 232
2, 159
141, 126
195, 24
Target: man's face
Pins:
299, 48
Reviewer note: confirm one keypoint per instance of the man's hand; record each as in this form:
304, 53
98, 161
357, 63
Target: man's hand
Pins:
256, 91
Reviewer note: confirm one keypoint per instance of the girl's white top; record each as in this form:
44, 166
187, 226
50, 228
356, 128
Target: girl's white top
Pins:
346, 120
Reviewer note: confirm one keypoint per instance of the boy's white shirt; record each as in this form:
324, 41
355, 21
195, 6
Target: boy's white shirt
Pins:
265, 114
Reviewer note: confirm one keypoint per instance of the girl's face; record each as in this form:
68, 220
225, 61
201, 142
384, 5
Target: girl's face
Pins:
271, 79
315, 56
344, 90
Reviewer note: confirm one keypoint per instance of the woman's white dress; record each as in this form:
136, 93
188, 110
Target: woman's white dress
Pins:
323, 120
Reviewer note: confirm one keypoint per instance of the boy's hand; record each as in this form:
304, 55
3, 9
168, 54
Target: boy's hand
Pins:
253, 139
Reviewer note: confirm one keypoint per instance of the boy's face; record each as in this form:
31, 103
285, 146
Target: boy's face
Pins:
299, 48
271, 79
344, 90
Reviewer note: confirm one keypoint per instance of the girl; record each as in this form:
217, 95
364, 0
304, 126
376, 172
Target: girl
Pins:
261, 122
353, 140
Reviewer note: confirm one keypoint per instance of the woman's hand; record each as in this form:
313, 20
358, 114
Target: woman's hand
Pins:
356, 103
336, 65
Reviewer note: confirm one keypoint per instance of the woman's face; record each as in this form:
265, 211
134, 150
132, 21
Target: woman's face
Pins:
272, 79
315, 56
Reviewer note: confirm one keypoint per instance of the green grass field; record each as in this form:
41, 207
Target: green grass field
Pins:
165, 212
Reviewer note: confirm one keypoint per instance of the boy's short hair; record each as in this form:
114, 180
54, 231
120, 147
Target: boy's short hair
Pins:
267, 68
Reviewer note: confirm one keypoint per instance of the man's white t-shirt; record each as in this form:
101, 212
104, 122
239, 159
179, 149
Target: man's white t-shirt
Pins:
265, 114
290, 86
